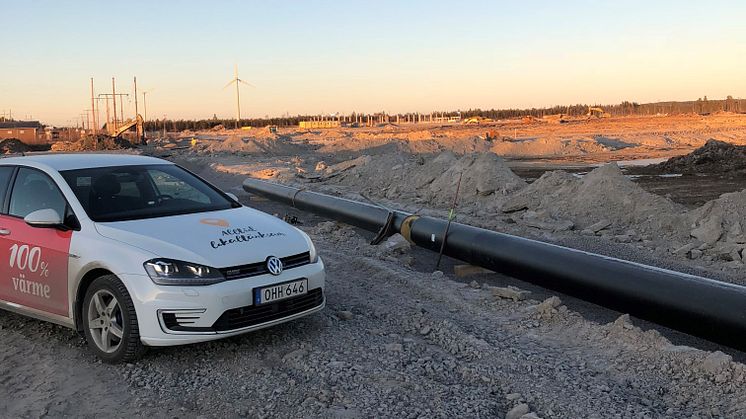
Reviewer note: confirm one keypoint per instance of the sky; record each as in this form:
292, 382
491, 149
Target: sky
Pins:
311, 57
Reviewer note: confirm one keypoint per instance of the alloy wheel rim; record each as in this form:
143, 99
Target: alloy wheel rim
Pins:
105, 321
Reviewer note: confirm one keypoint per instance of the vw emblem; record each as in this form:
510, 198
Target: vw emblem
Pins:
274, 265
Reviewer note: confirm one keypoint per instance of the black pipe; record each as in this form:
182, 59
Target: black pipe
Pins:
699, 306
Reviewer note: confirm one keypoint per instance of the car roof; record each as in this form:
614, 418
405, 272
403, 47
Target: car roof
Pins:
71, 161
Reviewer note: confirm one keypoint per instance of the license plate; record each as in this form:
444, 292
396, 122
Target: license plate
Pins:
278, 292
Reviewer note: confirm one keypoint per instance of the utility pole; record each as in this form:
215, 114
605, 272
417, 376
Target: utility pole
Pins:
144, 107
89, 121
114, 99
135, 82
145, 113
98, 114
108, 117
93, 110
138, 131
121, 110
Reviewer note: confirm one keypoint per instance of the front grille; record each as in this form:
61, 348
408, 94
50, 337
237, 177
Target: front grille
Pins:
260, 268
241, 317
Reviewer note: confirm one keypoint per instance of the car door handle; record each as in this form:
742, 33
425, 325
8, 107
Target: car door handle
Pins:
4, 231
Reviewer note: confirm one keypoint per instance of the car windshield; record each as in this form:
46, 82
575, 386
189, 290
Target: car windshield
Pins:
136, 192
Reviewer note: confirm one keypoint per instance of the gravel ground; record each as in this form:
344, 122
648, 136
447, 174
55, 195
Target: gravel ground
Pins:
394, 341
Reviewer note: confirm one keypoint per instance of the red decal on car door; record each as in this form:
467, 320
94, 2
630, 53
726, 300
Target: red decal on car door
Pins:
34, 262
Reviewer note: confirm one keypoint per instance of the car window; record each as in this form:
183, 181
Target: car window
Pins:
172, 187
34, 190
134, 192
5, 173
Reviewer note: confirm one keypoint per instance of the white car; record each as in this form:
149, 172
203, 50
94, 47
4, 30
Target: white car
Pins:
135, 251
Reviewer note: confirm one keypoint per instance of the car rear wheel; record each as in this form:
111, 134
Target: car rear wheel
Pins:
110, 322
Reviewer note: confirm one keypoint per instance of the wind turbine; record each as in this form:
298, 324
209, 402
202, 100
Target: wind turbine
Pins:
238, 100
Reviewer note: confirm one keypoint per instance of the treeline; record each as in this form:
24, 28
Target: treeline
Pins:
203, 124
699, 106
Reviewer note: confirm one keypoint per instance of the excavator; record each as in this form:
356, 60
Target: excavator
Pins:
138, 122
597, 112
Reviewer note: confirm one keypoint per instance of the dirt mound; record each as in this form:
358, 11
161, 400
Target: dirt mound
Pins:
273, 144
713, 157
720, 224
425, 145
101, 142
547, 146
603, 194
430, 180
419, 135
13, 145
482, 174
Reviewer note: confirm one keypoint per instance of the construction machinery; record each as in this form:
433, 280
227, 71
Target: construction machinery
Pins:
597, 112
138, 122
476, 120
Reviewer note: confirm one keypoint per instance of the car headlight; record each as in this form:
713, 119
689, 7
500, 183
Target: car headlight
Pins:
312, 251
176, 272
311, 247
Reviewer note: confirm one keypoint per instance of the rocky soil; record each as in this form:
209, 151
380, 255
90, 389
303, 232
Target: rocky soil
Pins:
394, 341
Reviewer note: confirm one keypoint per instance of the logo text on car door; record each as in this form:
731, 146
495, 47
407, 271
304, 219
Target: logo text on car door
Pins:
29, 260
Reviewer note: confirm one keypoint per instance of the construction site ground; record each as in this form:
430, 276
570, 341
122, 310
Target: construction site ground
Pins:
400, 339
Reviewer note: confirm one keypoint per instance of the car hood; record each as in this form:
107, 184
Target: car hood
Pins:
220, 239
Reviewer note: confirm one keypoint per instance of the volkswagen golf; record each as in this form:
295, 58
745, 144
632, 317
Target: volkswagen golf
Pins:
134, 251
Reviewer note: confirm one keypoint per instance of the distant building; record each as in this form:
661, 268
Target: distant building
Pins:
319, 124
30, 132
52, 134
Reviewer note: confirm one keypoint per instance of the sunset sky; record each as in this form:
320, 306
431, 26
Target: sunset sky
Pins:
397, 56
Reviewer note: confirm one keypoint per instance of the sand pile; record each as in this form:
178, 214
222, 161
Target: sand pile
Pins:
430, 180
419, 135
603, 199
547, 146
484, 174
272, 144
362, 143
714, 157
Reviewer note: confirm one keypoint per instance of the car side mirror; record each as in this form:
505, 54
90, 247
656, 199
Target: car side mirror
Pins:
232, 196
44, 218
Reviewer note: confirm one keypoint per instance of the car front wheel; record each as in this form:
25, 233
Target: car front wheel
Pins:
110, 322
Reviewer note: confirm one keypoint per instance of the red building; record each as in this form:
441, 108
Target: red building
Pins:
30, 132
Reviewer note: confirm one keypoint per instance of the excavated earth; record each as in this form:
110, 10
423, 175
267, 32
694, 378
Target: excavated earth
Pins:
713, 157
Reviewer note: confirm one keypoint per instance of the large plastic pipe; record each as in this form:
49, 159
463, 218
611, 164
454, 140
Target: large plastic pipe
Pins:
699, 306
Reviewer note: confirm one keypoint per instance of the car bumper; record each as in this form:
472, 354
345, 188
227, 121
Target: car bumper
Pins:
198, 308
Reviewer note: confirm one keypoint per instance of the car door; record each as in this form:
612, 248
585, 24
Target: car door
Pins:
34, 260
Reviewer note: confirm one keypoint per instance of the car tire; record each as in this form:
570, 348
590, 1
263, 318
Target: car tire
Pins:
110, 322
